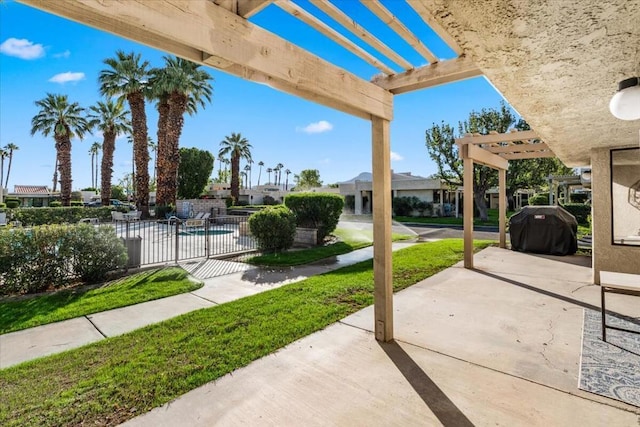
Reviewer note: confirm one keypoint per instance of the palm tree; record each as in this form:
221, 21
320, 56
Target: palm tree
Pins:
127, 78
111, 118
237, 147
247, 171
279, 167
64, 120
269, 170
286, 185
249, 163
153, 147
180, 87
3, 155
93, 150
10, 148
261, 164
243, 176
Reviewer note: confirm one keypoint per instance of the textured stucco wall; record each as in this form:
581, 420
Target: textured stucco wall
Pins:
606, 256
557, 62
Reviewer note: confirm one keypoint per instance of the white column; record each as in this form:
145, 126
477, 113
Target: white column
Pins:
382, 267
502, 206
468, 212
358, 203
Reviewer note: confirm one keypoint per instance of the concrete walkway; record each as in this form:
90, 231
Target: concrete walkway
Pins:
498, 345
28, 344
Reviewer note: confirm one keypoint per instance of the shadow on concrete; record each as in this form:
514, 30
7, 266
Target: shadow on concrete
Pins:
579, 260
540, 291
438, 402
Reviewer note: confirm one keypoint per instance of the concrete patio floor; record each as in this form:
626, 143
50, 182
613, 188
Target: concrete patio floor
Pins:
498, 345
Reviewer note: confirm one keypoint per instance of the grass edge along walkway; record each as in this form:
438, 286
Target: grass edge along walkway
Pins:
116, 379
30, 311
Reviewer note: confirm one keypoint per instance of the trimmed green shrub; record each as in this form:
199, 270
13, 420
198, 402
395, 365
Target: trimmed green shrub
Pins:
316, 210
49, 257
55, 204
269, 201
579, 197
41, 216
539, 199
3, 206
274, 228
76, 203
580, 211
162, 211
349, 203
403, 206
12, 204
229, 201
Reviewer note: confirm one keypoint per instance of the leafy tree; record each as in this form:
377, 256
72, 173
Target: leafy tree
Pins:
531, 173
117, 192
63, 120
308, 178
440, 142
193, 174
112, 119
180, 87
9, 148
237, 147
127, 78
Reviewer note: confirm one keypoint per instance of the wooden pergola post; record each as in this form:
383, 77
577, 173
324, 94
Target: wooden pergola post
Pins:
502, 206
467, 215
382, 266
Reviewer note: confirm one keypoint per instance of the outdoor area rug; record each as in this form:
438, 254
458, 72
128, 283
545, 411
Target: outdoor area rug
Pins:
611, 368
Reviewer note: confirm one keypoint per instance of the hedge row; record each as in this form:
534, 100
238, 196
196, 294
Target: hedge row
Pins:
316, 210
40, 258
62, 215
274, 228
580, 211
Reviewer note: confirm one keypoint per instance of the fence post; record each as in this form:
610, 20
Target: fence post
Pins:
206, 237
177, 247
126, 243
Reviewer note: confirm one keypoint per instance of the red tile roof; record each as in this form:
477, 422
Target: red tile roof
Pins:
31, 189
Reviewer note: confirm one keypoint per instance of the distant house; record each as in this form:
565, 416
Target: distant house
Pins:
403, 184
33, 195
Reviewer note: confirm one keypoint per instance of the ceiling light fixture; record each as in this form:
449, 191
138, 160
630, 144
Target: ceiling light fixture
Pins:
625, 104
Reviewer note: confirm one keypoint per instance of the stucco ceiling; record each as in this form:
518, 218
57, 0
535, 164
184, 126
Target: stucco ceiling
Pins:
557, 62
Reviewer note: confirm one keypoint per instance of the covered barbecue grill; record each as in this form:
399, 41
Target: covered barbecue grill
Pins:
545, 230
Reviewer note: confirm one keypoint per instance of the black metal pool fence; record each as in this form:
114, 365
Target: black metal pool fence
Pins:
172, 240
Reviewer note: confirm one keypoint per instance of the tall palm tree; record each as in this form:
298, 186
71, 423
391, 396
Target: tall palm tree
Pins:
3, 154
93, 151
180, 87
249, 163
269, 170
279, 167
63, 120
243, 178
247, 171
261, 164
153, 147
10, 148
112, 119
127, 78
286, 185
237, 147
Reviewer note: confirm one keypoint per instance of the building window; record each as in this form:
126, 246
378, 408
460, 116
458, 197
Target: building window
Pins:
625, 196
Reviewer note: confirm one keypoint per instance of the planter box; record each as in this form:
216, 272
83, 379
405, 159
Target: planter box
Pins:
305, 237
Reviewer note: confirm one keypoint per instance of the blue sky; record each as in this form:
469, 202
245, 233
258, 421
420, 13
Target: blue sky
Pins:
42, 53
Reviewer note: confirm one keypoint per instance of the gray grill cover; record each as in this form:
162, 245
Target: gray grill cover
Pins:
545, 230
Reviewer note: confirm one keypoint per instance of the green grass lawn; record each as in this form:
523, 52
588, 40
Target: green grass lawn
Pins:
118, 378
350, 240
492, 219
145, 286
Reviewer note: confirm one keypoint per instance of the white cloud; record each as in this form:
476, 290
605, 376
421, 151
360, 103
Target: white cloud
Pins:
395, 157
22, 48
63, 78
317, 127
64, 54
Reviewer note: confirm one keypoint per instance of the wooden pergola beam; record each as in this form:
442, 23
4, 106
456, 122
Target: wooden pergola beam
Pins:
232, 44
394, 23
364, 35
529, 155
495, 138
443, 72
298, 12
482, 156
248, 8
426, 15
517, 148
